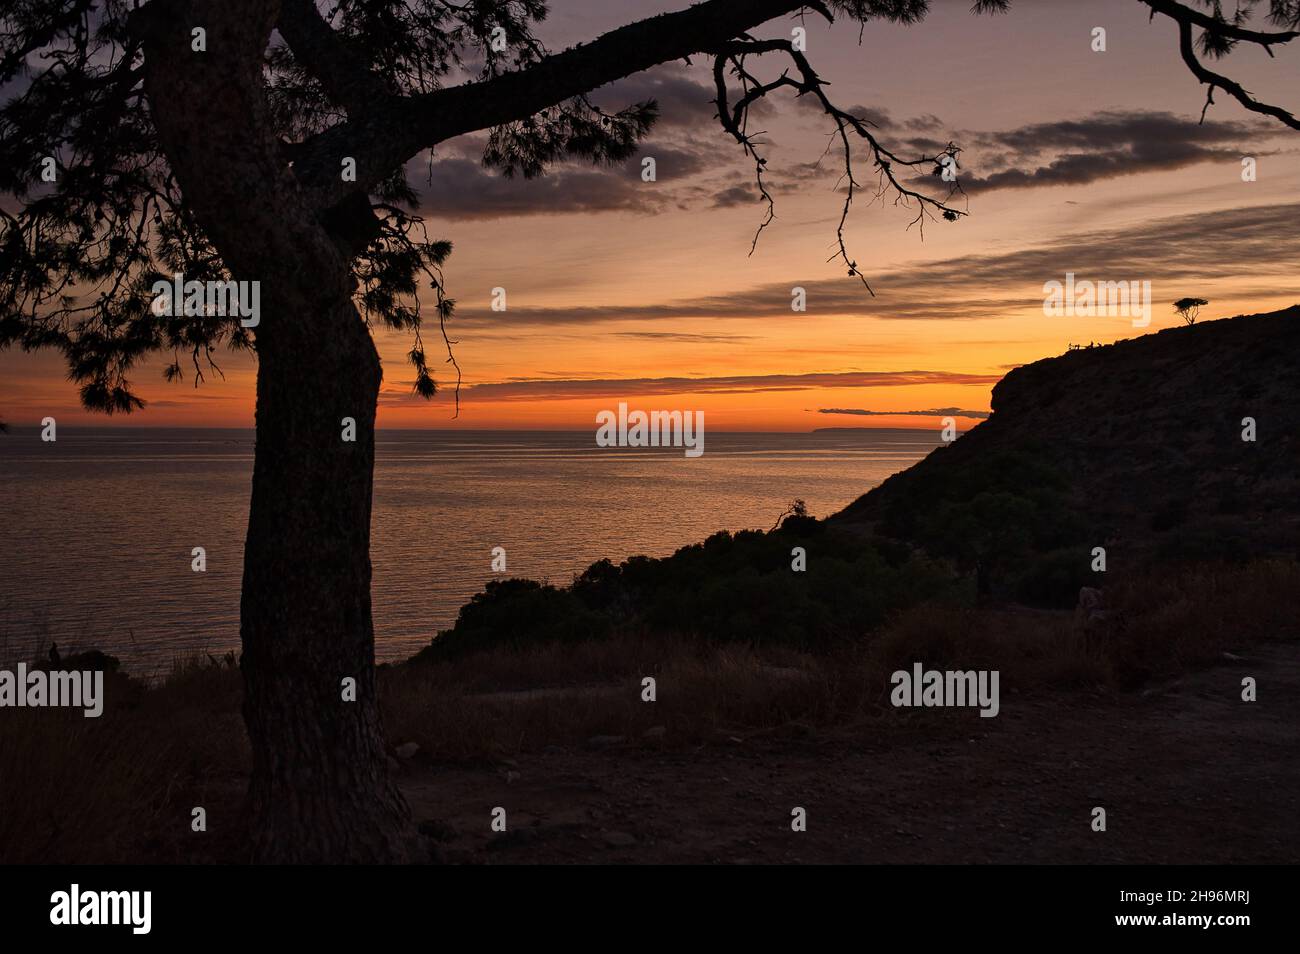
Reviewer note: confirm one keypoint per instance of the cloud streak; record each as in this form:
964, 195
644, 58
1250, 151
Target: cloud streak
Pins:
1259, 242
534, 389
932, 412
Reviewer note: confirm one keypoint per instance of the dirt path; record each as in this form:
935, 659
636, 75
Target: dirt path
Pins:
1187, 773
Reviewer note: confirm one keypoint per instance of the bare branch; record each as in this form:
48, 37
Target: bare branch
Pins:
1216, 80
1221, 30
808, 83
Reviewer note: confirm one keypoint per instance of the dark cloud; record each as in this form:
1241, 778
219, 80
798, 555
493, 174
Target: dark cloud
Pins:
464, 189
926, 123
1102, 146
877, 116
736, 195
914, 147
932, 412
532, 389
1112, 129
809, 171
682, 100
684, 142
460, 187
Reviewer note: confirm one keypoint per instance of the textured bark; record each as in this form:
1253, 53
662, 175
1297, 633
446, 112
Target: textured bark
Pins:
320, 789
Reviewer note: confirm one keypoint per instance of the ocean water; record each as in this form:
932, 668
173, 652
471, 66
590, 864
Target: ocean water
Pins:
97, 528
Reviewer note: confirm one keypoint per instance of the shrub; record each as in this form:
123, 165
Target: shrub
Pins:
730, 588
1054, 579
517, 612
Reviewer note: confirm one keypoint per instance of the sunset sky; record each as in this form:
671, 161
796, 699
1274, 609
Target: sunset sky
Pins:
623, 290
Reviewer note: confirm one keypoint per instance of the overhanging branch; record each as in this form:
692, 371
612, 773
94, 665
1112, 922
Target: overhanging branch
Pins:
806, 82
1217, 80
1220, 29
396, 129
1186, 14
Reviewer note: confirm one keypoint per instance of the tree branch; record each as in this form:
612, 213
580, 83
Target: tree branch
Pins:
1232, 87
324, 54
1185, 14
397, 129
808, 83
1218, 28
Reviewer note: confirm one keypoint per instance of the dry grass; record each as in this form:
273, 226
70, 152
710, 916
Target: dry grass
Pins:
1156, 626
463, 710
121, 787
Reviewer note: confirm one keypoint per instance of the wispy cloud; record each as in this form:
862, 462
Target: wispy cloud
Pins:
932, 412
1174, 253
528, 390
685, 336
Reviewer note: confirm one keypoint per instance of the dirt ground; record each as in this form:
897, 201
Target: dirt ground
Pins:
1186, 771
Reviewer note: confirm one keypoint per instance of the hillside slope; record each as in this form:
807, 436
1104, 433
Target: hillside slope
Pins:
1140, 442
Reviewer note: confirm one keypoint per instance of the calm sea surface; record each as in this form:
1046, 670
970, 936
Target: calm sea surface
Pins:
96, 529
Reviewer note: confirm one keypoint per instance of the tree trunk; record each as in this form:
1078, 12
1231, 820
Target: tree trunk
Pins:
320, 789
